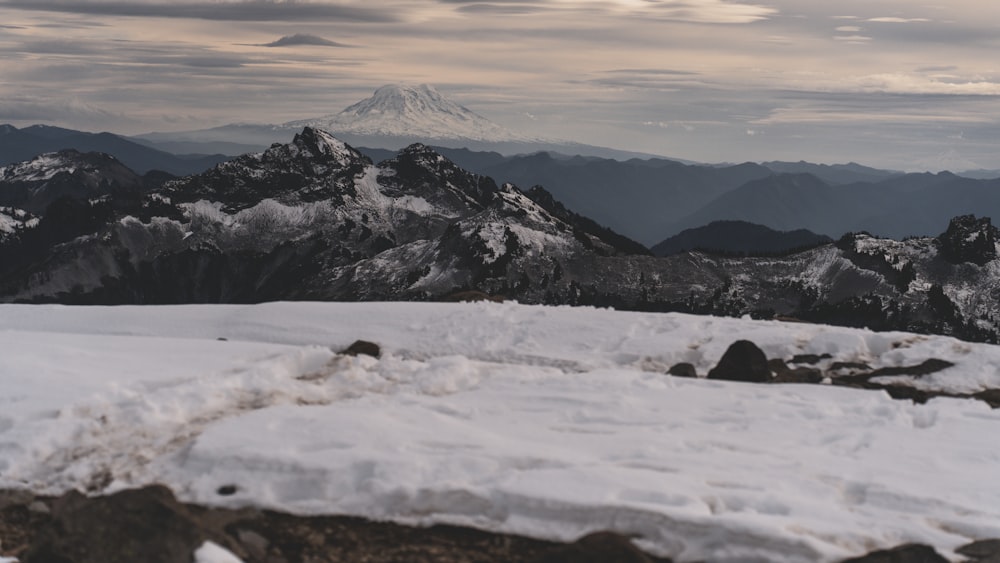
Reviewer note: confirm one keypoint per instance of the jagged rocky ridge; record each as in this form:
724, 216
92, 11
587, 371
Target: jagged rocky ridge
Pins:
315, 219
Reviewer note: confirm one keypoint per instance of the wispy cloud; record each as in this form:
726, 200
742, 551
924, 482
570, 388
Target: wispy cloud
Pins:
233, 10
705, 11
897, 20
32, 108
853, 38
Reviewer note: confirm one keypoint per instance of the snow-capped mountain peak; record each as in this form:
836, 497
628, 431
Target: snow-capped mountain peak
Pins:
411, 111
398, 99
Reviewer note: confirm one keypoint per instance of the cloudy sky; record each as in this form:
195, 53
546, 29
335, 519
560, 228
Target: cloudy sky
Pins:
906, 84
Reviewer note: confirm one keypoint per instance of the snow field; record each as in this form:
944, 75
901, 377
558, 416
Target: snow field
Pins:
550, 422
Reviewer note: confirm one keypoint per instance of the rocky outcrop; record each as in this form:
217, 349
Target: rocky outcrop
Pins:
149, 525
969, 239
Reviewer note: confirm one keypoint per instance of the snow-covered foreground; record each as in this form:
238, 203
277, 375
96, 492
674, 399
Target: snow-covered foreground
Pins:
549, 422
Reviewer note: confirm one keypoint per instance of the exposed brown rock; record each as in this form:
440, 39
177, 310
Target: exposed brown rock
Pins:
981, 551
849, 366
799, 375
363, 347
926, 367
148, 525
777, 366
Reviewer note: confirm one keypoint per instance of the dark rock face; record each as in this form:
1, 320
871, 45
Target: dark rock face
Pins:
683, 369
982, 551
598, 547
969, 239
149, 526
363, 348
909, 553
622, 244
138, 525
313, 167
743, 361
777, 366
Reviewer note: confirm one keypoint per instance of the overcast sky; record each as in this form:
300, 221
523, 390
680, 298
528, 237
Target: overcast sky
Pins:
894, 83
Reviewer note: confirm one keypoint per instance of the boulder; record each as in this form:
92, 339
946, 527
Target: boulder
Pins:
363, 347
743, 361
683, 369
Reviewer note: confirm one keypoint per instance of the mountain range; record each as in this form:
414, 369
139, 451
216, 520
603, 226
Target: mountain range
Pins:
652, 199
395, 116
17, 145
315, 219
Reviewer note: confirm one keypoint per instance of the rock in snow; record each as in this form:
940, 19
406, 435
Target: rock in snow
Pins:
743, 361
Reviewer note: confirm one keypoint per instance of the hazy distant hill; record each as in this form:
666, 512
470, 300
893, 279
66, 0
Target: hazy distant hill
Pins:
636, 197
653, 199
393, 117
909, 205
833, 174
18, 145
739, 237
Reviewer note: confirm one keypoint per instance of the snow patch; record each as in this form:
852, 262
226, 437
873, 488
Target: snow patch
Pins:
546, 421
213, 553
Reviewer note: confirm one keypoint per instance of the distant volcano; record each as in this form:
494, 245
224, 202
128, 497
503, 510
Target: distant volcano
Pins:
412, 111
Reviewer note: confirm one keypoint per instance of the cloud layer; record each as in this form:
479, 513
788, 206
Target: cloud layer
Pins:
888, 82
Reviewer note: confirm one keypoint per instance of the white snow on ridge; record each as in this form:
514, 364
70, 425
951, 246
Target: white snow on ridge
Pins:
550, 422
41, 168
